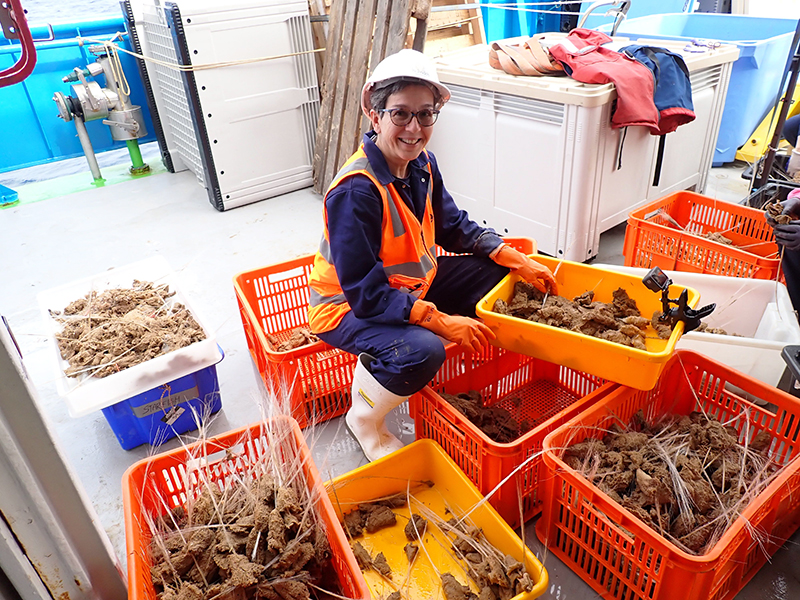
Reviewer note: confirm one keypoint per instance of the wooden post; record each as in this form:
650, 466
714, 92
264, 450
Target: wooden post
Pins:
420, 11
319, 33
361, 33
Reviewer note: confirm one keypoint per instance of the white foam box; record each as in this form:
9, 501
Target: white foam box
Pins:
537, 156
759, 310
86, 394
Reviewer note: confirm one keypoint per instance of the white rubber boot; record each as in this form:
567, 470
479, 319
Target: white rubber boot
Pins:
366, 419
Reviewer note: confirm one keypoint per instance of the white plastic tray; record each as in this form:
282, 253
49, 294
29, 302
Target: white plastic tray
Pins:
86, 394
760, 310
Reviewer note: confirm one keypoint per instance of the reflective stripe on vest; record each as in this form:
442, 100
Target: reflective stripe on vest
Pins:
407, 250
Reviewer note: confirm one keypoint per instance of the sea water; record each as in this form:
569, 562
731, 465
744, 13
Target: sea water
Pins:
41, 12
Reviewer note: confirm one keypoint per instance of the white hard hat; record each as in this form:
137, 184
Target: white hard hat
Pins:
406, 65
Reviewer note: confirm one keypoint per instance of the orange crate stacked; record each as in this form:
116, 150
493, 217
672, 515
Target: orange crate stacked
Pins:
543, 393
160, 483
621, 557
273, 301
667, 233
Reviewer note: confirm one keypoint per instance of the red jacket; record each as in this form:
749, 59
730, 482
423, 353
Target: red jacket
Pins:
586, 60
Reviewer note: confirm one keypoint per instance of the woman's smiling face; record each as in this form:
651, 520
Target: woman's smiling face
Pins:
400, 145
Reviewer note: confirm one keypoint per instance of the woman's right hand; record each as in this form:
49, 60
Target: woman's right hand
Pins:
464, 331
531, 271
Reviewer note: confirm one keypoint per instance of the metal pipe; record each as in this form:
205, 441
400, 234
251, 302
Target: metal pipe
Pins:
72, 42
138, 166
136, 154
618, 7
88, 151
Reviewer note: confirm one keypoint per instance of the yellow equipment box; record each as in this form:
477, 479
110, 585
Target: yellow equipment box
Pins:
434, 484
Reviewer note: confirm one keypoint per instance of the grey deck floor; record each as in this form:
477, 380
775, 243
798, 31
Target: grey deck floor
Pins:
57, 241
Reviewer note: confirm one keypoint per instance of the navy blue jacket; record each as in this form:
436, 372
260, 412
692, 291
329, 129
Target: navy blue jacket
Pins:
672, 91
355, 211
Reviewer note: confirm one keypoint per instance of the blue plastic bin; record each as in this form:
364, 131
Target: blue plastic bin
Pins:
166, 411
503, 19
764, 46
32, 133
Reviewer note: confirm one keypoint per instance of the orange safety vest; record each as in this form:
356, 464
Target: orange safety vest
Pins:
407, 249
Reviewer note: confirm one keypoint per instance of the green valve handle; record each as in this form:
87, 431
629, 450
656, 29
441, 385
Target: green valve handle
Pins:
74, 76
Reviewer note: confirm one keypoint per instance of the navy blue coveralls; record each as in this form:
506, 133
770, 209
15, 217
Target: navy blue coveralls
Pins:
407, 356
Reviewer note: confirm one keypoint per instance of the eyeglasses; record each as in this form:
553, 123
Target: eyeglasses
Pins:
402, 117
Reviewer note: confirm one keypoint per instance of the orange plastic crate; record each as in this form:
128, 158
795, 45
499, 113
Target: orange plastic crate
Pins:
544, 393
171, 476
652, 239
622, 558
274, 300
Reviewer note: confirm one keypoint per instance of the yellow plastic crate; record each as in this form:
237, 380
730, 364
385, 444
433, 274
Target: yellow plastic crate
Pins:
451, 494
627, 366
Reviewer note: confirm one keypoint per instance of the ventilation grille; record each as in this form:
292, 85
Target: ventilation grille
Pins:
301, 41
507, 104
310, 117
464, 96
537, 110
705, 78
177, 116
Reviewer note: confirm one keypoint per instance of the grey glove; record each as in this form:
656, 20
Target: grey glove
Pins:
791, 206
788, 235
770, 220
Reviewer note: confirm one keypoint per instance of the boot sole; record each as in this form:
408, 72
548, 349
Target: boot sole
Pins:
355, 437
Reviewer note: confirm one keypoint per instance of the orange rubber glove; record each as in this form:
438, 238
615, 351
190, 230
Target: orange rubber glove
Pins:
464, 331
531, 271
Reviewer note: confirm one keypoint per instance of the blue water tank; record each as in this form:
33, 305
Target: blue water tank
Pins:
504, 19
764, 48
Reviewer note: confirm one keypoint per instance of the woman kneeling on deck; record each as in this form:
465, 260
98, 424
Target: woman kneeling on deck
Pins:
377, 288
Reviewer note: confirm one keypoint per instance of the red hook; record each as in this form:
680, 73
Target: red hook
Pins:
15, 26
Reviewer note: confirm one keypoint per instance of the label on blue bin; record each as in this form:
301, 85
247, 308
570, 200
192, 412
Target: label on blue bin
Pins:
173, 415
166, 402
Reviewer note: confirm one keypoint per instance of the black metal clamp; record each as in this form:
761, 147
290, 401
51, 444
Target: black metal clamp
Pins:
658, 281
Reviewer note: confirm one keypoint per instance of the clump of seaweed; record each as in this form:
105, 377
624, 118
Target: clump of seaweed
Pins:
686, 477
619, 321
245, 523
107, 332
297, 337
495, 421
775, 211
485, 572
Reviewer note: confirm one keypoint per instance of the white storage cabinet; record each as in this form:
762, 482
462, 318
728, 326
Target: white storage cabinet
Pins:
246, 130
537, 157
